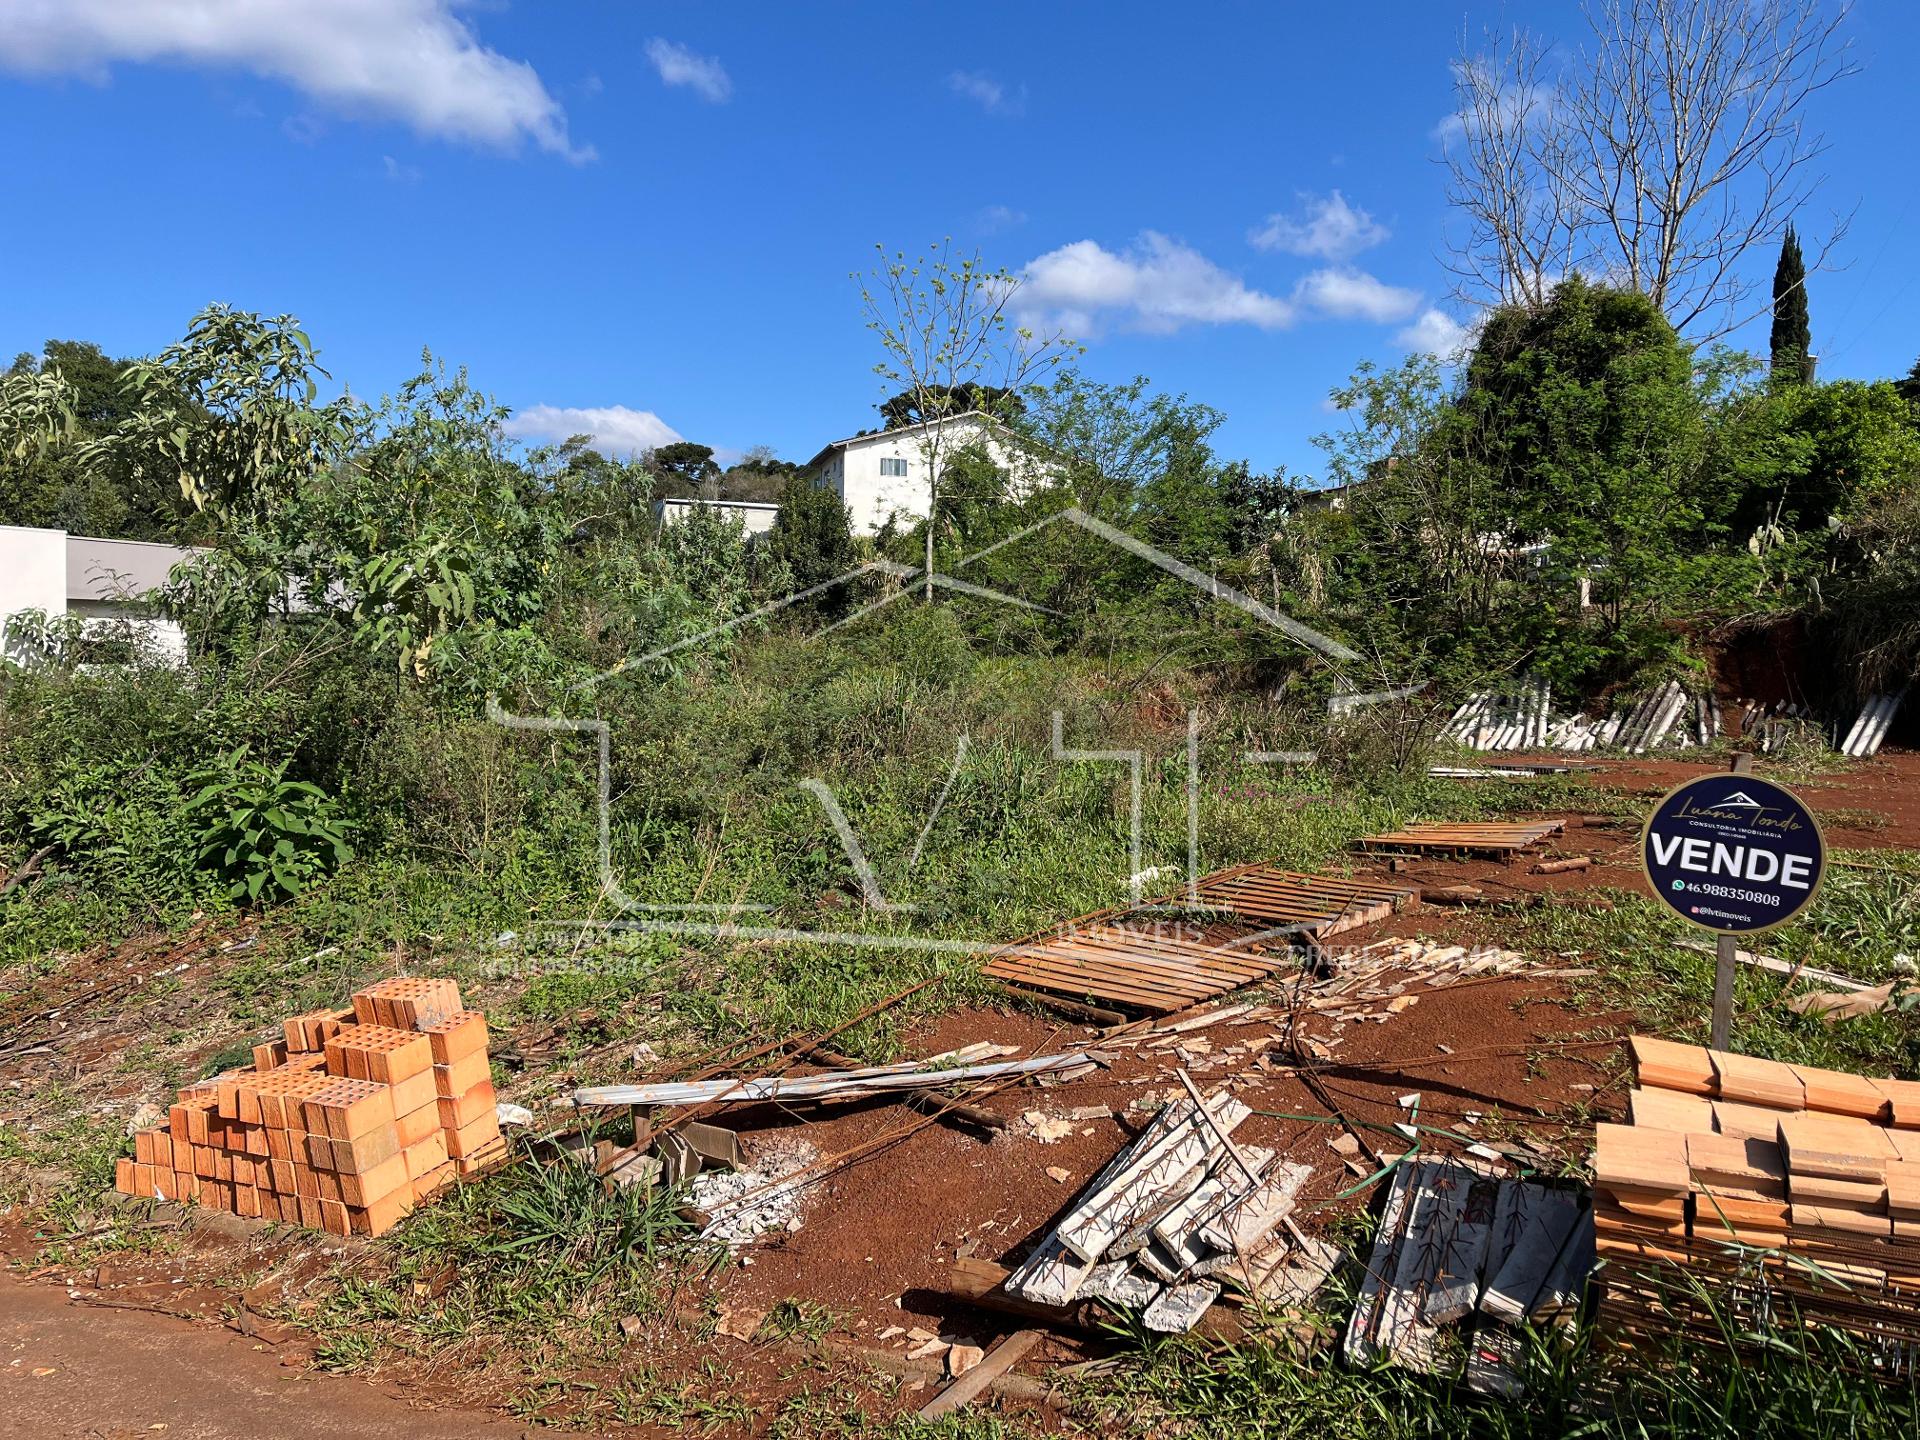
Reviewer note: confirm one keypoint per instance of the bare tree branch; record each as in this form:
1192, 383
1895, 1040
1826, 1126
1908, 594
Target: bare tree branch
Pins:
1671, 149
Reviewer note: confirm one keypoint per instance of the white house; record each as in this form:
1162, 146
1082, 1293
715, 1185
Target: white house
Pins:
102, 581
755, 516
883, 476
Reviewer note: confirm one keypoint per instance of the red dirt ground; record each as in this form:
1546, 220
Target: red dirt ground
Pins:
880, 1235
1884, 792
70, 1368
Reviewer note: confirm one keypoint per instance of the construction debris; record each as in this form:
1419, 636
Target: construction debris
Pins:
1460, 1258
873, 1080
1670, 715
344, 1125
1502, 838
1869, 731
743, 1205
1173, 1218
1794, 1193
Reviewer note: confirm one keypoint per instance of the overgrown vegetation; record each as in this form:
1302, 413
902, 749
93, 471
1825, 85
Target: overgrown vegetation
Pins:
408, 642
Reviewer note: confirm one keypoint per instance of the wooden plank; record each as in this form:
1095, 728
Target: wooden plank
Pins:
1063, 964
1170, 962
1047, 975
995, 1363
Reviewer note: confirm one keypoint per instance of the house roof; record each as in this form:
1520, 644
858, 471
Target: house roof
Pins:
833, 445
729, 504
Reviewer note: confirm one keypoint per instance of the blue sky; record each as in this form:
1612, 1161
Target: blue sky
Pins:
648, 213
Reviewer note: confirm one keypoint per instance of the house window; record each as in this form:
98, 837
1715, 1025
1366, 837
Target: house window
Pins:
892, 467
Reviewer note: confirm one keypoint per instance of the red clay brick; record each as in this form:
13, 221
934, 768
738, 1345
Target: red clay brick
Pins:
452, 1081
414, 1126
364, 1152
433, 1181
462, 1144
474, 1105
377, 1182
333, 1218
429, 1155
414, 1091
457, 1036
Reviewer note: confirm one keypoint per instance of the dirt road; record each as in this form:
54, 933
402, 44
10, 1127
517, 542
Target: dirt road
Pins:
70, 1369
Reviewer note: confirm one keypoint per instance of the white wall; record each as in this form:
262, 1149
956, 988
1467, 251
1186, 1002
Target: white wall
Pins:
33, 574
853, 471
757, 517
100, 580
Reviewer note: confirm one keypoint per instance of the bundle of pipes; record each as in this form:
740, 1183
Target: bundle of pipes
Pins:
1504, 722
1869, 730
1668, 716
1770, 722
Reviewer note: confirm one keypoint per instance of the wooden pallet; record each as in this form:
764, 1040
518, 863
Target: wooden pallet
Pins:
1149, 958
1139, 964
1505, 838
1327, 903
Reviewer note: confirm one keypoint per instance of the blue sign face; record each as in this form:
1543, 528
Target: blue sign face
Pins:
1733, 853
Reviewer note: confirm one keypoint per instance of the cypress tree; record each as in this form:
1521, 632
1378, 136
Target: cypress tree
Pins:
1792, 335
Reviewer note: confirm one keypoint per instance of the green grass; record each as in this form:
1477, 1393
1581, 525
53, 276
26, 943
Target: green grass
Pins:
534, 1261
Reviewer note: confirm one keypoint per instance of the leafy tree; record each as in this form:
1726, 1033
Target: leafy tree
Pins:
944, 326
1113, 439
1586, 420
230, 415
1909, 388
912, 406
1805, 455
811, 544
760, 475
684, 468
61, 401
1792, 338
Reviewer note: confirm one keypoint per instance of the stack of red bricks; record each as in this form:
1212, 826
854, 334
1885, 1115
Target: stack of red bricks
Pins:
345, 1125
1778, 1188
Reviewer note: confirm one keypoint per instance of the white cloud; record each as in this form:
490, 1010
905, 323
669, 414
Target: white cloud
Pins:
1326, 226
411, 60
615, 429
1347, 294
1160, 285
1435, 333
1157, 285
702, 74
398, 173
996, 218
988, 93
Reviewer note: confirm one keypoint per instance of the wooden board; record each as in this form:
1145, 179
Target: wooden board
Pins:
1329, 903
1150, 959
1490, 838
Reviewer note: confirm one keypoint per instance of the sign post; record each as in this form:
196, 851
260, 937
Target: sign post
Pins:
1736, 855
1726, 953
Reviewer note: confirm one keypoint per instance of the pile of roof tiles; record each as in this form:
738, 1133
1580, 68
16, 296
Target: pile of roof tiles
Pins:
345, 1125
1789, 1193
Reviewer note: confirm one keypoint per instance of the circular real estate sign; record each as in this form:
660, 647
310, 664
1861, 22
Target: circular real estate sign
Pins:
1733, 853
